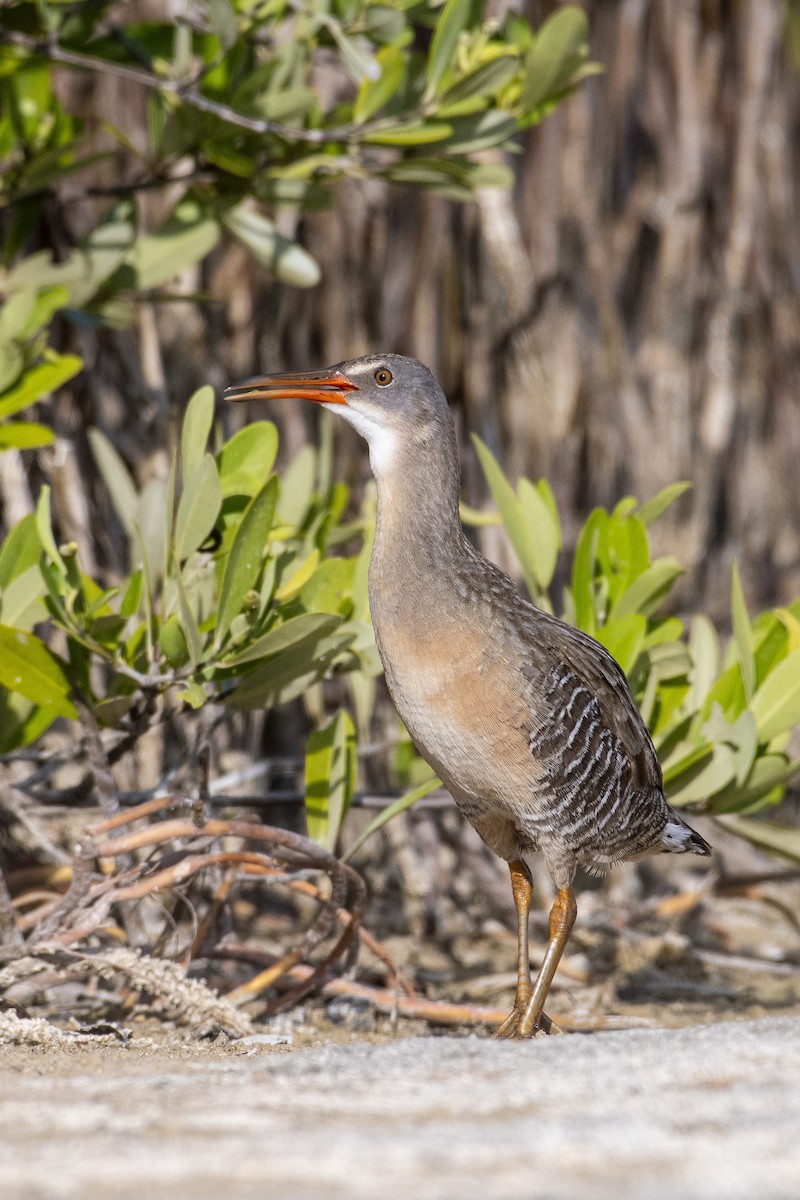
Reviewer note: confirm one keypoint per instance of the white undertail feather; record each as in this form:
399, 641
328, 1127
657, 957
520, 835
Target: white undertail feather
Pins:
678, 838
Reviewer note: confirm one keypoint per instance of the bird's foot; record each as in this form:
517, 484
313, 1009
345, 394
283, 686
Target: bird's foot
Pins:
512, 1027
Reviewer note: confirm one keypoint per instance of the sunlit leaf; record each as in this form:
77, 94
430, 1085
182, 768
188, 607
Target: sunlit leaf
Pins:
780, 839
451, 24
245, 556
28, 667
651, 510
742, 633
198, 508
297, 487
188, 622
197, 421
623, 637
776, 704
557, 53
288, 674
514, 520
410, 133
19, 551
291, 586
648, 590
330, 778
285, 259
44, 528
307, 626
38, 382
246, 459
188, 235
21, 599
375, 93
25, 435
21, 721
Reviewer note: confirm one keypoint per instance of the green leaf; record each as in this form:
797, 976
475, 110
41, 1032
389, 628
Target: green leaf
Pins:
306, 627
223, 17
98, 258
681, 760
198, 508
25, 435
776, 704
286, 260
510, 509
152, 516
116, 477
28, 668
174, 643
651, 510
409, 133
197, 422
330, 588
194, 694
21, 722
21, 599
330, 778
780, 839
290, 588
480, 132
20, 550
451, 24
647, 591
245, 557
44, 528
623, 637
297, 487
194, 640
583, 571
38, 382
397, 806
704, 653
133, 595
246, 459
485, 80
357, 57
557, 53
188, 235
289, 674
544, 532
710, 777
375, 93
743, 634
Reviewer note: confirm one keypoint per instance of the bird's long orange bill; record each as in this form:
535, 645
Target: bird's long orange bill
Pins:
325, 387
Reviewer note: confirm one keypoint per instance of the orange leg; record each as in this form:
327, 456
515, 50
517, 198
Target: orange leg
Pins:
562, 918
522, 888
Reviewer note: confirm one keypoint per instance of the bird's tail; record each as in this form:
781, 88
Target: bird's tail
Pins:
679, 838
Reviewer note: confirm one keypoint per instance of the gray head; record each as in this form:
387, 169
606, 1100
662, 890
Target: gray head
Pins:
392, 401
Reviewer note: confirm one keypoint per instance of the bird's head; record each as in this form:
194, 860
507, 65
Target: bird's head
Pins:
392, 401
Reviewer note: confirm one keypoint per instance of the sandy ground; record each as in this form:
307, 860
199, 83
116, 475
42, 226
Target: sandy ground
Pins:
701, 1112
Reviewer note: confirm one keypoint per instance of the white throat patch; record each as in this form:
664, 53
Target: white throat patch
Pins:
381, 440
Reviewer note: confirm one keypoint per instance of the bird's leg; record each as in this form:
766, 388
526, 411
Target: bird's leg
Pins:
562, 918
522, 889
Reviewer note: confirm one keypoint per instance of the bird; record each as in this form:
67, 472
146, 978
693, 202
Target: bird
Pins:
527, 721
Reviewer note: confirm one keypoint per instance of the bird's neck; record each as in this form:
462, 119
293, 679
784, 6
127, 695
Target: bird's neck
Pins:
418, 535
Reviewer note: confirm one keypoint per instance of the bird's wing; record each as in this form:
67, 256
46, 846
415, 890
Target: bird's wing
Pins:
576, 664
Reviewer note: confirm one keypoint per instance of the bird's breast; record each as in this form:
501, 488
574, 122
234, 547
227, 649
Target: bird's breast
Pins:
462, 712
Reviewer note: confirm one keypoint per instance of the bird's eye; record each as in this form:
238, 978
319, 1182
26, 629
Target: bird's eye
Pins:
383, 376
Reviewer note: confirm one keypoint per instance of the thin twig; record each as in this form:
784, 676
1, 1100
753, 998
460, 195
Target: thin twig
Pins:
188, 95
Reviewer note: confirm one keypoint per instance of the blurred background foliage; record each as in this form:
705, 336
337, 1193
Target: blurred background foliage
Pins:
191, 193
